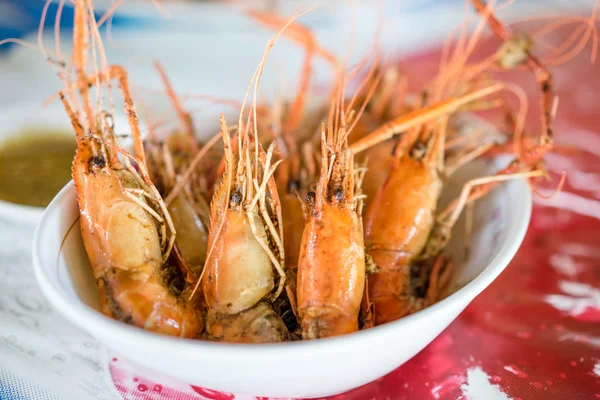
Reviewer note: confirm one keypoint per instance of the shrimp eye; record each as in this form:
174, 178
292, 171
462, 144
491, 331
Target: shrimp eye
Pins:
338, 194
236, 198
293, 185
310, 198
418, 150
96, 162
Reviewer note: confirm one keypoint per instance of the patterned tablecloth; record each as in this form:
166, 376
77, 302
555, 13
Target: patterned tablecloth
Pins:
533, 334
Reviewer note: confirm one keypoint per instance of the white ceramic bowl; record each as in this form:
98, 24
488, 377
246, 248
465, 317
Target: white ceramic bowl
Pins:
299, 369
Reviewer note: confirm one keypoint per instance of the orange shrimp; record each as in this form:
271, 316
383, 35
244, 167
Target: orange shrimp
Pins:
245, 247
292, 130
331, 266
126, 228
411, 193
246, 250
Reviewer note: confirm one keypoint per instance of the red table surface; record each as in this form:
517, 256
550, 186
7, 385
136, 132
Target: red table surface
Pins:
535, 332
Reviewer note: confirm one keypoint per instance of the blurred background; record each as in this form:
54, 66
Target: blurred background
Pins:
212, 47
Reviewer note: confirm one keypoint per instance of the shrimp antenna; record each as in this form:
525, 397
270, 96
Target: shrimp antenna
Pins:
259, 69
187, 125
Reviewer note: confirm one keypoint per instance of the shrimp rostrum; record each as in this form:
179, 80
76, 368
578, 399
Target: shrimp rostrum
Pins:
125, 226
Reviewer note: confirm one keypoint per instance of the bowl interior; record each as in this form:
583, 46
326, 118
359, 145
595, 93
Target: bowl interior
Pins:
493, 219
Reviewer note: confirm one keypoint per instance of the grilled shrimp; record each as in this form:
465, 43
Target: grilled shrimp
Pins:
419, 232
245, 268
331, 267
126, 228
245, 250
401, 216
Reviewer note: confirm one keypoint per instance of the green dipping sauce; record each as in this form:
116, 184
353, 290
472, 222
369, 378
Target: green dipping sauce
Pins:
34, 166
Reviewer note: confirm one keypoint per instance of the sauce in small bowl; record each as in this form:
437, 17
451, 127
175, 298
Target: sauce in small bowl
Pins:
37, 146
35, 165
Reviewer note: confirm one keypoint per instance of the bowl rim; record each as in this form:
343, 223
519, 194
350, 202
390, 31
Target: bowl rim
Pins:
84, 316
